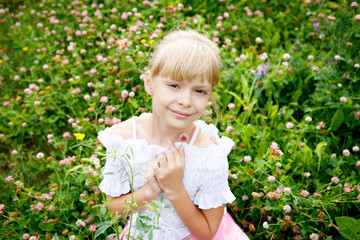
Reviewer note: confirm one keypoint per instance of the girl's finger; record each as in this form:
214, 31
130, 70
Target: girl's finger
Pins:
170, 159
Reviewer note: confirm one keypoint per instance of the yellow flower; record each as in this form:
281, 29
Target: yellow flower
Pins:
143, 41
121, 43
1, 61
151, 41
25, 49
79, 136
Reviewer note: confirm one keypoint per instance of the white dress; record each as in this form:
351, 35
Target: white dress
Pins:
205, 174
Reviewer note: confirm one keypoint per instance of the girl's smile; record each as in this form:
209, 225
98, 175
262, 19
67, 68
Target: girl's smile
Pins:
180, 115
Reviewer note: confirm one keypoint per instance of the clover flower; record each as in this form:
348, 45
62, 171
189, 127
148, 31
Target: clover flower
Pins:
287, 208
183, 137
247, 159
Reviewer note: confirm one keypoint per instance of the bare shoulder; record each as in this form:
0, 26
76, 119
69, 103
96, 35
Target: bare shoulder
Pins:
203, 141
123, 129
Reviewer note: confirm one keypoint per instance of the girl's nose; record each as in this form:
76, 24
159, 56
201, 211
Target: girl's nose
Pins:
184, 98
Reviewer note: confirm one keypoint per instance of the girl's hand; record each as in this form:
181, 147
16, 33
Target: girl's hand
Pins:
169, 171
155, 189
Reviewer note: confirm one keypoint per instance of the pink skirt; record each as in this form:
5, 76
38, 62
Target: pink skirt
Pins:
228, 230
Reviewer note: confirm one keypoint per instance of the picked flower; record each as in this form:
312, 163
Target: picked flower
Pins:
183, 137
79, 136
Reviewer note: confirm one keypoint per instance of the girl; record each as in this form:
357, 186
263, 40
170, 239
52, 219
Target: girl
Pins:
193, 174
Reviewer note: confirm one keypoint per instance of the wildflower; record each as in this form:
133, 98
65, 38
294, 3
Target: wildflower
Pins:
37, 103
346, 152
14, 152
354, 4
92, 228
124, 94
247, 159
66, 135
337, 58
9, 179
266, 225
310, 57
79, 136
183, 137
289, 125
25, 236
151, 41
229, 129
25, 49
355, 148
307, 174
231, 106
104, 99
258, 40
314, 236
39, 155
343, 99
335, 180
79, 223
51, 208
143, 41
357, 164
39, 206
304, 193
245, 197
16, 78
271, 179
315, 68
286, 56
347, 189
131, 94
273, 195
317, 195
287, 208
333, 155
287, 190
357, 18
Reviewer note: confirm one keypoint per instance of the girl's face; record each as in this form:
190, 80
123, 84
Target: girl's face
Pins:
178, 104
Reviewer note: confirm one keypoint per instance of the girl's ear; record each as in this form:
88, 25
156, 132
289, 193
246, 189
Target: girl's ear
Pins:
147, 83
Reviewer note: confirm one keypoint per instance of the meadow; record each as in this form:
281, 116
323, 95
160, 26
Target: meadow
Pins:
289, 97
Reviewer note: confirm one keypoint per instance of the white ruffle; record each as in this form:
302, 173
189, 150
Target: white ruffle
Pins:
116, 180
205, 175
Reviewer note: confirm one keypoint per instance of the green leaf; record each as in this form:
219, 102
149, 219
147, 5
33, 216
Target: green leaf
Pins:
47, 227
348, 227
103, 210
150, 236
337, 120
101, 230
319, 147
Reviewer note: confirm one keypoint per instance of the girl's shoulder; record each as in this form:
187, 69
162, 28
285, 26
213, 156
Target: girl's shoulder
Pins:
123, 129
208, 138
203, 141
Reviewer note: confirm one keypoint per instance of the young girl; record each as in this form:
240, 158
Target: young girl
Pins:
193, 174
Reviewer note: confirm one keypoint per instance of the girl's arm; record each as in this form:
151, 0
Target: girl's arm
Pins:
169, 173
143, 195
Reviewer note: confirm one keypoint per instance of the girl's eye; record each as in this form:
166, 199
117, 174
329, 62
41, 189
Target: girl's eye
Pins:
174, 85
201, 92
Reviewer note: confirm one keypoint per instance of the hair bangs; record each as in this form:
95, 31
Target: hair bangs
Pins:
184, 59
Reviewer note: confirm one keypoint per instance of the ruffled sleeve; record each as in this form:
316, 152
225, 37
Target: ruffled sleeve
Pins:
116, 179
214, 190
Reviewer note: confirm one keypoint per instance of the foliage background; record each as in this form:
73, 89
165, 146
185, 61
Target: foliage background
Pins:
76, 67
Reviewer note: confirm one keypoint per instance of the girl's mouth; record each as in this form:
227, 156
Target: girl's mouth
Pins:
180, 115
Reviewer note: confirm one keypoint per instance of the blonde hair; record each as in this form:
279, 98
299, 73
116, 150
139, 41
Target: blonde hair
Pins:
186, 55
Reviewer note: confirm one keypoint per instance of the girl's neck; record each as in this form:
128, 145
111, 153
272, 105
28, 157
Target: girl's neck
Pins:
161, 134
